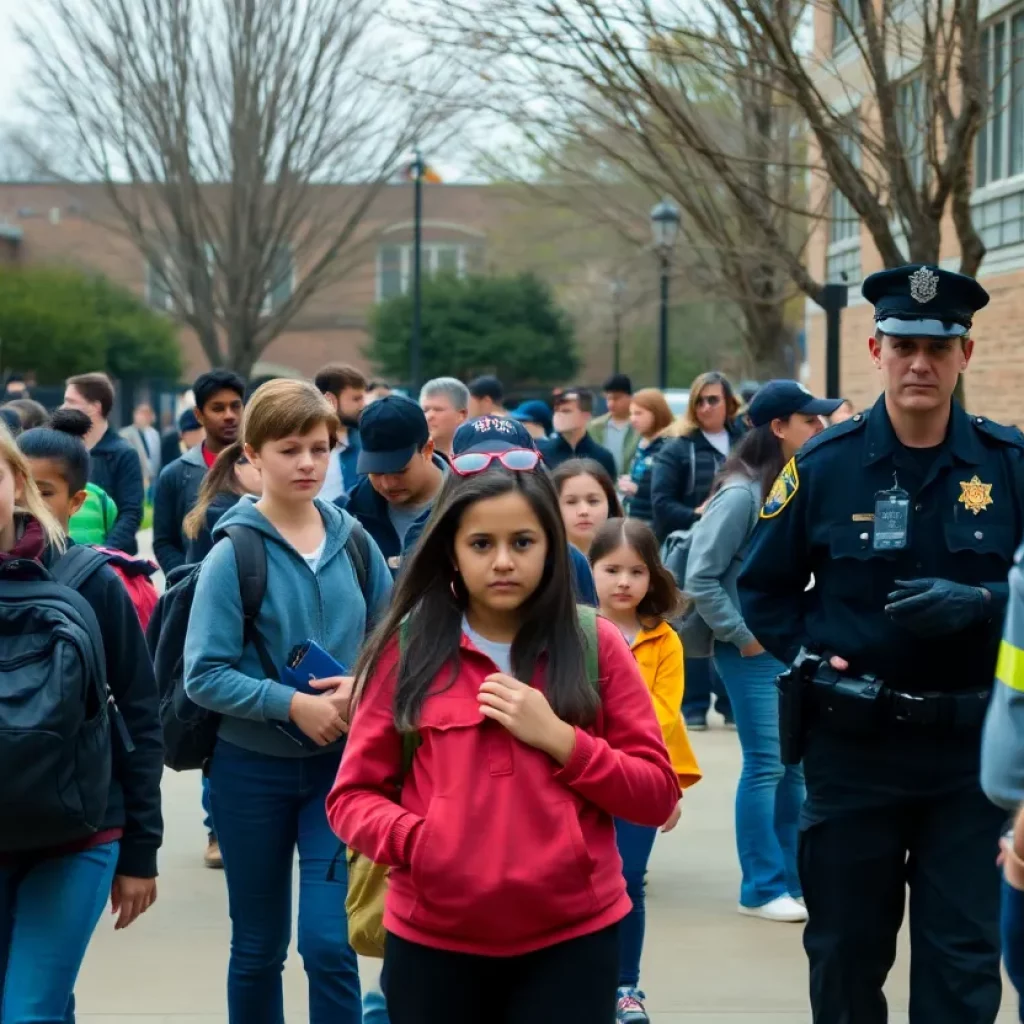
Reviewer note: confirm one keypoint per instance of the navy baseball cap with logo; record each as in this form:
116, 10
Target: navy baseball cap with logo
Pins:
921, 301
391, 431
780, 399
490, 434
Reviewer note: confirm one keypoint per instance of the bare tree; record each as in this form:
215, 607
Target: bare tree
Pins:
241, 143
713, 102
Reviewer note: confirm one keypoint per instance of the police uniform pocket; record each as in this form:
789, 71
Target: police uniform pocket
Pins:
982, 551
857, 571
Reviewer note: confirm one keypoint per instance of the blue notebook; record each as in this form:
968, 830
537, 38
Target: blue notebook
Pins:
307, 661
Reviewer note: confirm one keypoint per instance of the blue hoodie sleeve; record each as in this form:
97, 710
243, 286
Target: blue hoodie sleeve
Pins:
214, 644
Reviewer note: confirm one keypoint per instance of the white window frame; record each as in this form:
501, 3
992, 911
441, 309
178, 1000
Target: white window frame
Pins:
846, 240
430, 252
839, 44
1001, 192
268, 299
152, 280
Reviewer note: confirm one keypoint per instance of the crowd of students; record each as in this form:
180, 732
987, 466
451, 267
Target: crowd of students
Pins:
548, 745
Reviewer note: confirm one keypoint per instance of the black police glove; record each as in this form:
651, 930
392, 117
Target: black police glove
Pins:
931, 607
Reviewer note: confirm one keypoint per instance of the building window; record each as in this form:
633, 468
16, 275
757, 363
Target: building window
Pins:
911, 123
394, 265
158, 291
999, 148
843, 261
281, 283
845, 13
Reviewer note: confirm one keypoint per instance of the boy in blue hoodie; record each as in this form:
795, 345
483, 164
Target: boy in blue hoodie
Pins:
278, 749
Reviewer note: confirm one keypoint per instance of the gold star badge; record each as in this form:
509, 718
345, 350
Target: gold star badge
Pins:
974, 495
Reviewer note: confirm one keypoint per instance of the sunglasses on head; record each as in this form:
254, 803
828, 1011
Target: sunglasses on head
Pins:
518, 460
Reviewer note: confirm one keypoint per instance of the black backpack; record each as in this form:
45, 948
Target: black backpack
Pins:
189, 731
55, 706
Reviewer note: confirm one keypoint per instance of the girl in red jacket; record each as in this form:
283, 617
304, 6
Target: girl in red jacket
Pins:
506, 888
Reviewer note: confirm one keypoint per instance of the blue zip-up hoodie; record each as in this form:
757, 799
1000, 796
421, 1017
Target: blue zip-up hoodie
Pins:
223, 675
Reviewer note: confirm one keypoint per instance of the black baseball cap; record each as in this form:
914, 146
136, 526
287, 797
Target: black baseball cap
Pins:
618, 383
490, 434
187, 421
780, 399
391, 431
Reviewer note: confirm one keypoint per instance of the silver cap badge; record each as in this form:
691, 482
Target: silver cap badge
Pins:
924, 285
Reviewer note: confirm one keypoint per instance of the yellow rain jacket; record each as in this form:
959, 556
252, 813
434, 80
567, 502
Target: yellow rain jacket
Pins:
659, 653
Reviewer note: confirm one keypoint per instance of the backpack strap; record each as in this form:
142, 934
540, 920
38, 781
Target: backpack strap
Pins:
588, 623
76, 565
357, 545
251, 560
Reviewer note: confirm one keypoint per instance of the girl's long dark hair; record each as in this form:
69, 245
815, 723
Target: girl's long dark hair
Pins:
430, 592
220, 479
758, 456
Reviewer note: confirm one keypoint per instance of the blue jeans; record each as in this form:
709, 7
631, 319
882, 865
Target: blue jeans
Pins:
265, 807
635, 844
207, 812
770, 794
701, 681
1012, 928
48, 913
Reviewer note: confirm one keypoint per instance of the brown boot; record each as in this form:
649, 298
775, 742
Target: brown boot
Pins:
212, 857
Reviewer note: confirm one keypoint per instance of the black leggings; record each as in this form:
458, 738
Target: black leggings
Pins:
574, 982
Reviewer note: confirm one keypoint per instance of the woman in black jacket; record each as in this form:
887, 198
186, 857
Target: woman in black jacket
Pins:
685, 468
684, 471
650, 416
51, 898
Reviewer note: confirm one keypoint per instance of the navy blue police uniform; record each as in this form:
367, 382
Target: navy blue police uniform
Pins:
916, 600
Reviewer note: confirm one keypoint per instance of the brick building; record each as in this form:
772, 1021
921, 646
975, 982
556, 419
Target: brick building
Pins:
995, 380
50, 223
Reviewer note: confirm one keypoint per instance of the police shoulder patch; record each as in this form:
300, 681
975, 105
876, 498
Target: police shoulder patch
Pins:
786, 485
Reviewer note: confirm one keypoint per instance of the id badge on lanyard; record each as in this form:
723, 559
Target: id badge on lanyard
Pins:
892, 520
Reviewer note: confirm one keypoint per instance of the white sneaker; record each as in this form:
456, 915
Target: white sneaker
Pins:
782, 908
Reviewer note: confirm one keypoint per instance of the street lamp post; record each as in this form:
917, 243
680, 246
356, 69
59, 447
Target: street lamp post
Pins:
618, 288
416, 342
665, 219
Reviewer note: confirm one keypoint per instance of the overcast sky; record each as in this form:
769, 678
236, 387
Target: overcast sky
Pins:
12, 60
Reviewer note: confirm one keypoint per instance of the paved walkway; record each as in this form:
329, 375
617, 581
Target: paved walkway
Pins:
704, 963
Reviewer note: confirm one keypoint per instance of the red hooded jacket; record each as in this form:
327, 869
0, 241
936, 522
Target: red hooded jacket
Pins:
494, 848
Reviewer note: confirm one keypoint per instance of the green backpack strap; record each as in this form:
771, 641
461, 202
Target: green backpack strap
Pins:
588, 623
410, 740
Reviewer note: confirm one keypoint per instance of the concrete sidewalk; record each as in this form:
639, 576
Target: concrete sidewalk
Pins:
703, 962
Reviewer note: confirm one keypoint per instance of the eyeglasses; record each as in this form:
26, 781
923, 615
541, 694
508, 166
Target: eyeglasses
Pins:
709, 400
518, 460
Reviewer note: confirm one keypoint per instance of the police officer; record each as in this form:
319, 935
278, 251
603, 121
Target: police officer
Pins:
906, 517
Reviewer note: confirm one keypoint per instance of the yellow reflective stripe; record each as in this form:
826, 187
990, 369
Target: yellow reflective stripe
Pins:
1010, 666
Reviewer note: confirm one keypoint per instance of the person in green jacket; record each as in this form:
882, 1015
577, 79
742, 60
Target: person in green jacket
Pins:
613, 429
94, 520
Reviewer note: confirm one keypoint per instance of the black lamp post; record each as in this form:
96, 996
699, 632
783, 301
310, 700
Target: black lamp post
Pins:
665, 218
416, 346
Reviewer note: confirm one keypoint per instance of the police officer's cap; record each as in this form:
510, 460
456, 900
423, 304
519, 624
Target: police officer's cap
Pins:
921, 301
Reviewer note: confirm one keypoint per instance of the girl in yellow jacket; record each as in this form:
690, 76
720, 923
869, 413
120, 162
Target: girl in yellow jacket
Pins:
638, 594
